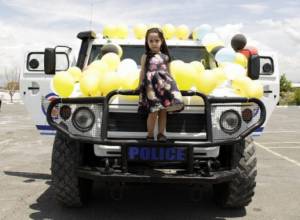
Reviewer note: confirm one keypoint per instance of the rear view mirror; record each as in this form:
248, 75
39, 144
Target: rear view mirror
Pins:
50, 61
254, 67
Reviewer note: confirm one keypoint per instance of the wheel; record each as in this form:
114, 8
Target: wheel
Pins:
66, 157
238, 193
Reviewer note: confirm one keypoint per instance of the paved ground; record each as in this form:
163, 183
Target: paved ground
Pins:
25, 191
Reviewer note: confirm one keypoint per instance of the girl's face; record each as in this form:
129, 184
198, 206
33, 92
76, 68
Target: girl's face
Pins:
154, 42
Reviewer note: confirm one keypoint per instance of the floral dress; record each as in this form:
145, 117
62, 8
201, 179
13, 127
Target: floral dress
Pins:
159, 89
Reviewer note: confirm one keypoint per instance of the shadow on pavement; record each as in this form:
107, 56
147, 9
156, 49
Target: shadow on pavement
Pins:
140, 202
41, 176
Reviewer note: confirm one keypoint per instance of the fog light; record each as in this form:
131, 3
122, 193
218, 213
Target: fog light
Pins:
83, 119
65, 112
247, 115
230, 121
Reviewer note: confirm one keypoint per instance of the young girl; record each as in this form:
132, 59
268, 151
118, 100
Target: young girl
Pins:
158, 89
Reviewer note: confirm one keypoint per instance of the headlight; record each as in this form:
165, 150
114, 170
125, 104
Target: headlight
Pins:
83, 119
230, 121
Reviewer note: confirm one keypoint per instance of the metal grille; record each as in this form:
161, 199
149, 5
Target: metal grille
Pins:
123, 117
190, 123
95, 131
124, 121
217, 110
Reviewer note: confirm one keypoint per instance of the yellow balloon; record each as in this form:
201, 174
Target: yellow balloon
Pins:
140, 31
98, 67
90, 85
110, 31
255, 90
120, 50
122, 31
63, 83
207, 82
135, 82
169, 31
220, 75
176, 68
188, 77
213, 45
240, 85
129, 80
182, 32
75, 72
198, 66
241, 59
109, 83
112, 60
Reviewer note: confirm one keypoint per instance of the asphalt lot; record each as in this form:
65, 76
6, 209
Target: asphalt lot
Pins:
26, 193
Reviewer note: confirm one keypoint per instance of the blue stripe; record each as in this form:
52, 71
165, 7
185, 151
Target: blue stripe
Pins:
43, 133
260, 129
45, 127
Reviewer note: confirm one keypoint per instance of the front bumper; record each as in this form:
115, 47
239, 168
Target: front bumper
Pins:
212, 178
209, 102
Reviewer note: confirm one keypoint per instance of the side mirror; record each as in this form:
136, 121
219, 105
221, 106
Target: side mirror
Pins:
50, 61
254, 67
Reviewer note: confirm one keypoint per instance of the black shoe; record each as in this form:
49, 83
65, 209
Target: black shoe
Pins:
161, 138
149, 138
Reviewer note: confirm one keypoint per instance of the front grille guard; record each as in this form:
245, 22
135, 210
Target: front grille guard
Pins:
208, 102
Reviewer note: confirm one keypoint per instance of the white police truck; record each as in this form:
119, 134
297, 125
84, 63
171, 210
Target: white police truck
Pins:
210, 142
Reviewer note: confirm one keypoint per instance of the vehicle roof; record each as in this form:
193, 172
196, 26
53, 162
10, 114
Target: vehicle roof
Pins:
134, 41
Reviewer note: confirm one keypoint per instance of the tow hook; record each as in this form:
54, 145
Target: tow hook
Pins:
107, 169
207, 169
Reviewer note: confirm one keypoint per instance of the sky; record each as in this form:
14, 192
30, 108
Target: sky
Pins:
27, 25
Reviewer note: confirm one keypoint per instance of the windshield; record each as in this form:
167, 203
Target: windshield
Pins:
184, 53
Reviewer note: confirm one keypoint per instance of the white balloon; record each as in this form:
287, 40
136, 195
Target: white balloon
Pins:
225, 55
76, 92
201, 31
210, 38
233, 70
224, 90
127, 66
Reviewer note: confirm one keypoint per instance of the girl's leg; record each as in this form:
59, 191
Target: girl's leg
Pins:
151, 120
162, 121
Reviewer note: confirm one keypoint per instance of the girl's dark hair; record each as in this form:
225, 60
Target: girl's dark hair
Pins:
163, 49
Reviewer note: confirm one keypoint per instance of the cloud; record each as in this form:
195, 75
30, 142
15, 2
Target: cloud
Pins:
255, 8
282, 37
38, 24
226, 32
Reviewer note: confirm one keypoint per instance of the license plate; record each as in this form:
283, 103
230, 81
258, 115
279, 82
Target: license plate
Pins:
135, 153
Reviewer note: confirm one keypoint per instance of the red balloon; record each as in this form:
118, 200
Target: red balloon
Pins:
247, 51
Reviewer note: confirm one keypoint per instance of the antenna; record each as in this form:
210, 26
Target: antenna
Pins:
91, 17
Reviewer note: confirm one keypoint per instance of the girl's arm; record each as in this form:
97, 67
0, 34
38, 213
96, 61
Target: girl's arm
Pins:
142, 72
168, 66
169, 70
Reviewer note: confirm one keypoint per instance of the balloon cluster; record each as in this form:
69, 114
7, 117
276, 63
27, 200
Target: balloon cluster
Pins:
170, 31
193, 76
115, 31
232, 66
110, 73
97, 79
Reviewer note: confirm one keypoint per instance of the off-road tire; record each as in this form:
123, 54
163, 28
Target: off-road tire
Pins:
66, 157
238, 193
